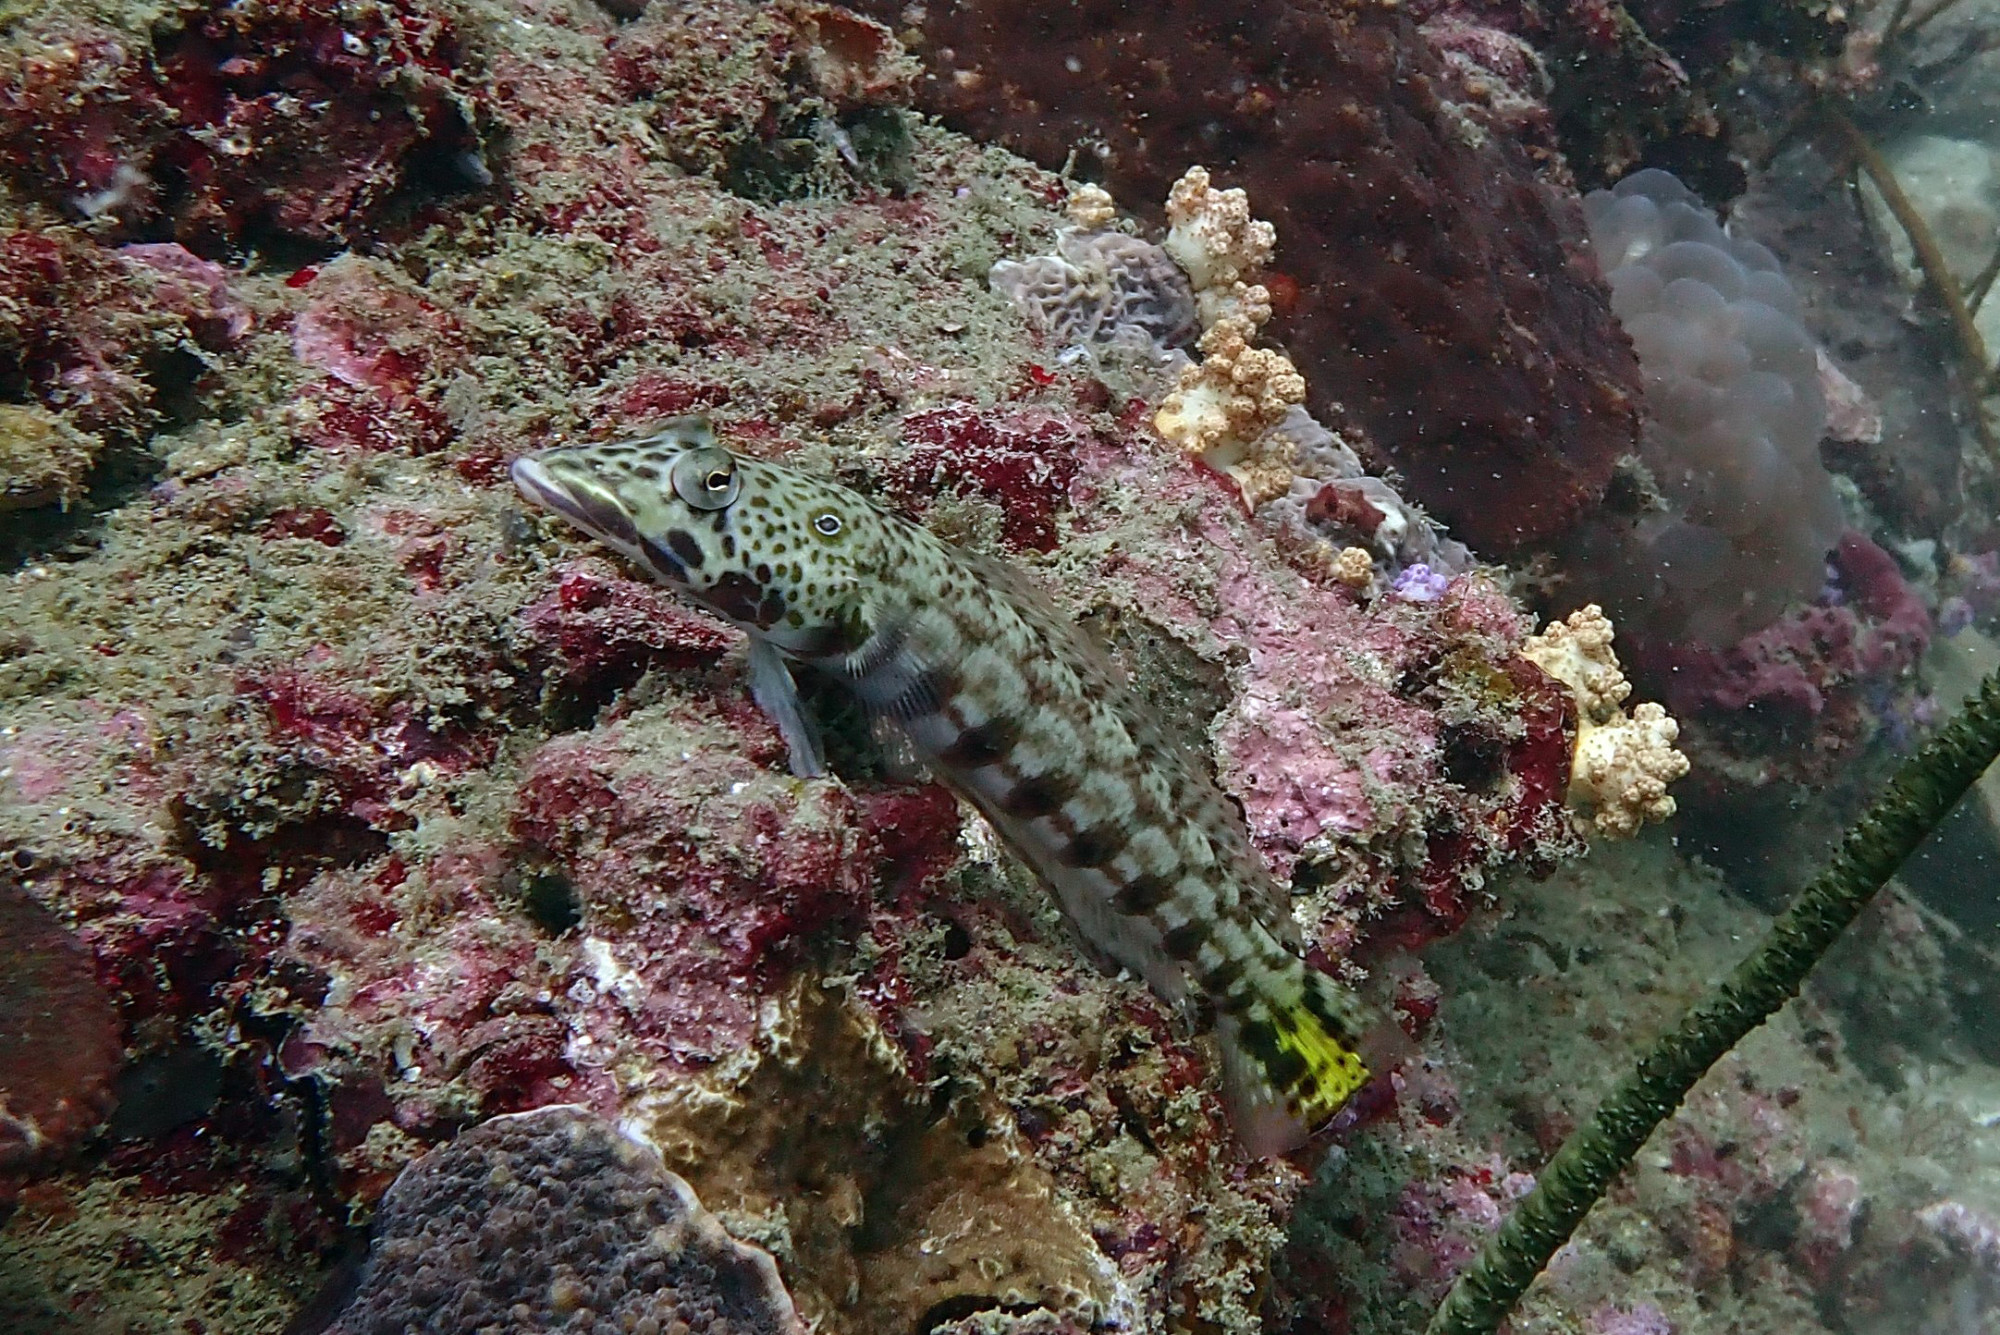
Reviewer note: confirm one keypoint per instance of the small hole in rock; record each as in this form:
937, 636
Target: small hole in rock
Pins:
550, 902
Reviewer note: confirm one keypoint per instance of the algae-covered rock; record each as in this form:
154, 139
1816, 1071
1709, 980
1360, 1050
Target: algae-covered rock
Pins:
43, 459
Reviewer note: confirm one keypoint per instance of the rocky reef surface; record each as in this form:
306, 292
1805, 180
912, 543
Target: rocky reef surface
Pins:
381, 808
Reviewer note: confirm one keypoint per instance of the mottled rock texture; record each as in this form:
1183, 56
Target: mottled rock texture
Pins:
59, 1043
1433, 279
553, 1220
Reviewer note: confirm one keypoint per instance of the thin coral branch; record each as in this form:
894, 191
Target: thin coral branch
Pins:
1864, 217
1800, 122
1976, 290
1930, 258
1926, 14
1971, 44
1925, 788
1894, 28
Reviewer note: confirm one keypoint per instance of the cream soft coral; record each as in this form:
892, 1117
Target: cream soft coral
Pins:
1622, 763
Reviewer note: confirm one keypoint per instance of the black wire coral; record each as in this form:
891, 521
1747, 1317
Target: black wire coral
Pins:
1922, 792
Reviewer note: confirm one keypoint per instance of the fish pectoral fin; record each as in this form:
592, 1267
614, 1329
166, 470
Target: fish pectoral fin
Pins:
901, 760
893, 675
777, 694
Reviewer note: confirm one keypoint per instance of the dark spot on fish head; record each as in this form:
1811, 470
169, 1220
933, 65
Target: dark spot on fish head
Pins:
735, 595
686, 548
663, 562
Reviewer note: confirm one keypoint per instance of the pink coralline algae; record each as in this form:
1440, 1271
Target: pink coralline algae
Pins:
1965, 1228
287, 118
1637, 1319
602, 629
365, 753
1795, 701
1422, 722
1021, 460
687, 967
1830, 1199
384, 349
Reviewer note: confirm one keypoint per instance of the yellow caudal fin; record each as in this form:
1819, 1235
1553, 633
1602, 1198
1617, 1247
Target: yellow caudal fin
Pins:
1292, 1061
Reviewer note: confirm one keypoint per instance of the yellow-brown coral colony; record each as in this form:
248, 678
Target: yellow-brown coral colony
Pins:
1623, 762
1223, 409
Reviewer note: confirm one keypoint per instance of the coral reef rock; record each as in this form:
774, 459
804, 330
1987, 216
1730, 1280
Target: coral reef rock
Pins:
554, 1220
43, 459
1428, 265
59, 1042
227, 124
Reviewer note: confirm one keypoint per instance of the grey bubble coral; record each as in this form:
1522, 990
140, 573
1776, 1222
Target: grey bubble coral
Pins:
553, 1219
1745, 512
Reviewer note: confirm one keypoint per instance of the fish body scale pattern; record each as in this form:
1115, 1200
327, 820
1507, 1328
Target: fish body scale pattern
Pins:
1025, 717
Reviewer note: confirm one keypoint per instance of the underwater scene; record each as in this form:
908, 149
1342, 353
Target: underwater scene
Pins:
969, 667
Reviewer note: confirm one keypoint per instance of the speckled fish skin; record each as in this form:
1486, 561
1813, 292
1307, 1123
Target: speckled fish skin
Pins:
1009, 702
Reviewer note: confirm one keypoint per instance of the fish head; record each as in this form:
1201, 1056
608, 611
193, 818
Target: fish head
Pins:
770, 549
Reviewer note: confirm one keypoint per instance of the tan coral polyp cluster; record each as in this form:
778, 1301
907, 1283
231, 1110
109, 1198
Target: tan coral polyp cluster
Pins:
1224, 408
1236, 394
1091, 207
1622, 763
1211, 234
1353, 567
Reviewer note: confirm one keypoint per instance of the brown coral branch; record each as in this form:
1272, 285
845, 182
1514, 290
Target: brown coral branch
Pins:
1924, 16
1937, 274
1894, 27
1976, 290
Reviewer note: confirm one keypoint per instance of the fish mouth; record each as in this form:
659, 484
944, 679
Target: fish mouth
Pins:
594, 511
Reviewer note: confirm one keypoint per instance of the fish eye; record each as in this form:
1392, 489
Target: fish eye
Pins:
826, 523
706, 478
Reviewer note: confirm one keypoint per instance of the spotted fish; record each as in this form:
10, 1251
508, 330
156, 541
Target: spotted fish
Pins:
1011, 704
